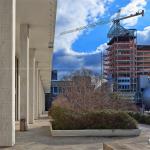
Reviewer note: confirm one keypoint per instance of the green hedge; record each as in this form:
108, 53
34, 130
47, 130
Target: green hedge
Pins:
143, 119
65, 119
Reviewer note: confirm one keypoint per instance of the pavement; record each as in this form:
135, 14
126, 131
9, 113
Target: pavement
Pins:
38, 138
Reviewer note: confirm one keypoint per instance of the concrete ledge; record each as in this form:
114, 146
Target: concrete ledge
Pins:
122, 145
101, 133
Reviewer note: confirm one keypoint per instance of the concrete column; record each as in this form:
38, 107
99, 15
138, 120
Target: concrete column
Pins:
43, 109
31, 84
24, 74
16, 89
7, 72
19, 96
34, 86
43, 100
36, 91
41, 97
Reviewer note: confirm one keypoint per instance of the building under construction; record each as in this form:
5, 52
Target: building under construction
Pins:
125, 61
143, 60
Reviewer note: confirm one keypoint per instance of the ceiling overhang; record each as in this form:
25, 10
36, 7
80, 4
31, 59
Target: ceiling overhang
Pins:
40, 15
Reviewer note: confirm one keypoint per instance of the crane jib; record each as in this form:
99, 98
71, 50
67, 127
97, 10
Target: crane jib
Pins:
101, 22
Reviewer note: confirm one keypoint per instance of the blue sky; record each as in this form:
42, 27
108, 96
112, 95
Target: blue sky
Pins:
82, 49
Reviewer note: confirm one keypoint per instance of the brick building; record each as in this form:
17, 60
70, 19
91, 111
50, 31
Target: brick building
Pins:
125, 61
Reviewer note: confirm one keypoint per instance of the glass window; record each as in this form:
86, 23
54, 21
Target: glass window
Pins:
60, 90
55, 90
51, 89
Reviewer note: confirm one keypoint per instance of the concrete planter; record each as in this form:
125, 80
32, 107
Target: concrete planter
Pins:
95, 132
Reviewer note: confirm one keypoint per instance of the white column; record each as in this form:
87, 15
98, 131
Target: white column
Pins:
39, 95
31, 85
19, 96
38, 74
34, 86
7, 72
36, 91
43, 99
24, 73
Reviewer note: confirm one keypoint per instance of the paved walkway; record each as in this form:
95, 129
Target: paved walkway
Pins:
38, 138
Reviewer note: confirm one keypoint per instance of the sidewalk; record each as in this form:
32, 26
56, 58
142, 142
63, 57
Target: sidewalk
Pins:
38, 138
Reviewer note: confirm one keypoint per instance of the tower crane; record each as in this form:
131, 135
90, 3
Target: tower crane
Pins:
102, 22
116, 28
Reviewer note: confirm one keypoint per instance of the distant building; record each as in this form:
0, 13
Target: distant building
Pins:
143, 60
54, 75
48, 96
59, 87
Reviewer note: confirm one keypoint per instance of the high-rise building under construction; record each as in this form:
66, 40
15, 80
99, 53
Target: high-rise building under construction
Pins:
125, 61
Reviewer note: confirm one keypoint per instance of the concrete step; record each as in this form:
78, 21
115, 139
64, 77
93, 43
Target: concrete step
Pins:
127, 146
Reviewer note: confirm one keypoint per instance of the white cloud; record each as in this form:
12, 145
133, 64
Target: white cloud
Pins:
102, 47
144, 36
72, 14
131, 8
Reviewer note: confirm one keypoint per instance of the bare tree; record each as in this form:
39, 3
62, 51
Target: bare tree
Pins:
80, 95
81, 72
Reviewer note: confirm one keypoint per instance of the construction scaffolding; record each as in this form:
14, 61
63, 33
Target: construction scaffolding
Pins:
120, 60
143, 60
143, 70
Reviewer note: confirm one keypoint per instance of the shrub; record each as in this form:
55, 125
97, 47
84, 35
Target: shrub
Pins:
65, 119
143, 119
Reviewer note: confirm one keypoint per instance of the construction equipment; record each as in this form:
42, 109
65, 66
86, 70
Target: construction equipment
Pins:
102, 22
120, 57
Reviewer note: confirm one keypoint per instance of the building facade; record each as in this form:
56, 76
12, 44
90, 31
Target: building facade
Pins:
125, 61
25, 61
61, 87
143, 60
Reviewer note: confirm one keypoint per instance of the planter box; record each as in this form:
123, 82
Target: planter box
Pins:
96, 133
